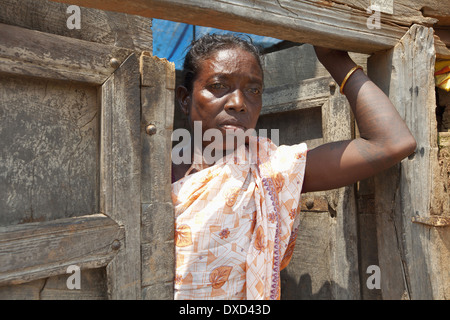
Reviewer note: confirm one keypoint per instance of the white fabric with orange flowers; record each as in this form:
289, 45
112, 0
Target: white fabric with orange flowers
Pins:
236, 223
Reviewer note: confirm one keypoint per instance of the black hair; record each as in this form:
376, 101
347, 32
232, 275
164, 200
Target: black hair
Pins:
208, 44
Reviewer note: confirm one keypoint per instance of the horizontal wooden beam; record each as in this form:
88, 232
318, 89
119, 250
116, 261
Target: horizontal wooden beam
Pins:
40, 54
306, 94
36, 250
334, 24
110, 28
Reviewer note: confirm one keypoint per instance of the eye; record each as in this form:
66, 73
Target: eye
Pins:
255, 91
217, 86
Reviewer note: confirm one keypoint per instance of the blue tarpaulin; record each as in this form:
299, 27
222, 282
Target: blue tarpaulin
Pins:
170, 39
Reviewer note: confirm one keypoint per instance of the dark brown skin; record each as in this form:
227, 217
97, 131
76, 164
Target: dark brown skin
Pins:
384, 137
228, 94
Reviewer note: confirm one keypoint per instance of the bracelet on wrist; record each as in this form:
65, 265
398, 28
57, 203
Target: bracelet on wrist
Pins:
349, 74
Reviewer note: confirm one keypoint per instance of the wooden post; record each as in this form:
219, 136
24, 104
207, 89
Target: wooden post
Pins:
406, 251
158, 249
120, 174
344, 269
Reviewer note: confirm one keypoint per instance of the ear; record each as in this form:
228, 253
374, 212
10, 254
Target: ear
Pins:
184, 99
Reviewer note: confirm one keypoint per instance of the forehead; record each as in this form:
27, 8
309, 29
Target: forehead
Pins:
233, 61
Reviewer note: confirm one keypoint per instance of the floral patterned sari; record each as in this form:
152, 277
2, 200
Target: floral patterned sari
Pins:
237, 221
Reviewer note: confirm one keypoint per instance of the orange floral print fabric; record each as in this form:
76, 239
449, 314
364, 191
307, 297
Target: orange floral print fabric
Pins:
236, 223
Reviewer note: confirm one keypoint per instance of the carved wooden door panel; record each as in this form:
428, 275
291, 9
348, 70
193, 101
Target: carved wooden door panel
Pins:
69, 168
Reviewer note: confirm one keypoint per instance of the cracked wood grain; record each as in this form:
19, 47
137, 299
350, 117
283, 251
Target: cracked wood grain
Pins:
340, 25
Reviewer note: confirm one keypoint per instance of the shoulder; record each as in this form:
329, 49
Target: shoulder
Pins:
282, 159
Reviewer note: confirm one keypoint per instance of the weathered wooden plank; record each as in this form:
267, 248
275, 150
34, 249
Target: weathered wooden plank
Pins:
35, 250
337, 123
105, 27
25, 291
404, 12
33, 53
293, 127
439, 10
308, 93
394, 285
388, 223
298, 118
159, 291
92, 287
307, 277
120, 160
49, 142
297, 63
291, 65
157, 96
329, 24
367, 236
158, 262
418, 184
407, 253
368, 254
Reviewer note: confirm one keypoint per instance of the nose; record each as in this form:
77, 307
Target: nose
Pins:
236, 102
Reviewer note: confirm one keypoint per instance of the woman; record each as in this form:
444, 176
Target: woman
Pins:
237, 220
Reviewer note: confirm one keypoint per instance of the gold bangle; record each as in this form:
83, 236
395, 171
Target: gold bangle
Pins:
349, 74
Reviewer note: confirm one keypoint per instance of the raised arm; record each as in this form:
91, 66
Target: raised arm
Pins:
384, 137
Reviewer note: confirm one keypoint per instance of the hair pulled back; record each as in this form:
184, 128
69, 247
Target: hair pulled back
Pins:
208, 44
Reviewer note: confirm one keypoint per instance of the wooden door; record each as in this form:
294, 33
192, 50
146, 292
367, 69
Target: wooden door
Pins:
70, 170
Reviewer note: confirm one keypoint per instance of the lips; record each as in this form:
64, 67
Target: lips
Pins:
232, 126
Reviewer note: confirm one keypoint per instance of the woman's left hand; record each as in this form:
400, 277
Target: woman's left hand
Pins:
337, 62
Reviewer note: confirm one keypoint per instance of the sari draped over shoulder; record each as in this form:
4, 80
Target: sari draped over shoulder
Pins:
236, 222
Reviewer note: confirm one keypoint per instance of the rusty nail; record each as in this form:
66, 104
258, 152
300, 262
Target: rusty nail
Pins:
115, 245
114, 63
332, 86
150, 129
309, 203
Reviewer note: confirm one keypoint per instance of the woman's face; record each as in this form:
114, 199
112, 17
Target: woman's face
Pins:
227, 92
